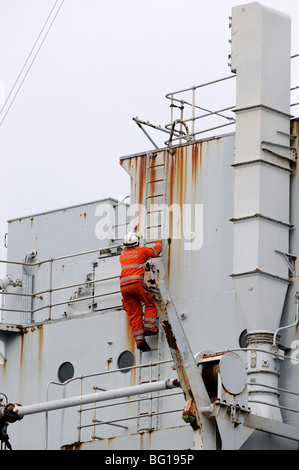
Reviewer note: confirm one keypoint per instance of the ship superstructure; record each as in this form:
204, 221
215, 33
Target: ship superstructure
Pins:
223, 371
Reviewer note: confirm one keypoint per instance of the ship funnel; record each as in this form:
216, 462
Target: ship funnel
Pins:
260, 57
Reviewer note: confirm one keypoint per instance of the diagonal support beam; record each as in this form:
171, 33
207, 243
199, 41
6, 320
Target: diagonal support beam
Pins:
191, 382
271, 426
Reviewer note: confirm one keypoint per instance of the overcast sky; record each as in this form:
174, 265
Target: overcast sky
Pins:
102, 63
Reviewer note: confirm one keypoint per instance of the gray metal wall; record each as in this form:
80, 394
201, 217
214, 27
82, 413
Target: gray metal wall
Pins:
200, 285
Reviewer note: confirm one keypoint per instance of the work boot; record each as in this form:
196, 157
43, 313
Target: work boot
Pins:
151, 332
143, 346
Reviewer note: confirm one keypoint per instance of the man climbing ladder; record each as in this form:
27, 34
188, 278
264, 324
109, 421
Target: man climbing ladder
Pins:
134, 290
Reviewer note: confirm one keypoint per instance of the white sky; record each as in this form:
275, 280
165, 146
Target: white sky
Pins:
102, 63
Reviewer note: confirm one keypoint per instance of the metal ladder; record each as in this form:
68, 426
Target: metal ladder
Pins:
169, 324
155, 197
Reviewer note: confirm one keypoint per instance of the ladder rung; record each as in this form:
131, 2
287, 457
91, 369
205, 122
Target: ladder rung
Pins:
292, 137
155, 181
155, 195
153, 212
156, 166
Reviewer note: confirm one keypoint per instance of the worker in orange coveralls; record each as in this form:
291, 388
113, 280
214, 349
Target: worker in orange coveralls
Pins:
134, 290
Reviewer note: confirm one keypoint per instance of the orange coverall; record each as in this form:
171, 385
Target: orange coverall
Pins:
133, 292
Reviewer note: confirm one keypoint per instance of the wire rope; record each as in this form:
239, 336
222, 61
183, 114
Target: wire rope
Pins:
27, 60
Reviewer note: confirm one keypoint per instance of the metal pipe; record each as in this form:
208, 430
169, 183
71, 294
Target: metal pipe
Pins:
193, 112
68, 286
198, 86
154, 413
120, 202
211, 113
284, 390
275, 405
208, 113
146, 133
159, 128
137, 400
98, 374
205, 130
79, 411
21, 411
288, 326
50, 289
279, 356
58, 304
80, 253
70, 301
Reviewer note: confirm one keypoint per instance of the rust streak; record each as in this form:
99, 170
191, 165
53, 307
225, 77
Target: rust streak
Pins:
74, 446
40, 342
190, 413
129, 336
141, 177
170, 178
140, 180
178, 360
22, 351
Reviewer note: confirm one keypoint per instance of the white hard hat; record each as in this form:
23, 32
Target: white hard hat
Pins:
132, 239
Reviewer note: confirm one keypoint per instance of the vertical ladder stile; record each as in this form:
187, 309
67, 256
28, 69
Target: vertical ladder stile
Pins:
146, 194
155, 213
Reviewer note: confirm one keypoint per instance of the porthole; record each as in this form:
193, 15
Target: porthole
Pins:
65, 372
125, 361
242, 339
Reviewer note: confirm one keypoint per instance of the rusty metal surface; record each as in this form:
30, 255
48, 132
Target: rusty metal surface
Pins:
198, 174
199, 282
195, 392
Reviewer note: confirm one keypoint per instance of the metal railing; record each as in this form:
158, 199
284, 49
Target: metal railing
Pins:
94, 422
38, 295
187, 98
122, 421
191, 103
184, 109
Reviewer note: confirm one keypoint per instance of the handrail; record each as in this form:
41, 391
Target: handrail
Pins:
80, 378
150, 414
69, 301
181, 103
58, 258
169, 95
193, 118
51, 290
281, 407
272, 353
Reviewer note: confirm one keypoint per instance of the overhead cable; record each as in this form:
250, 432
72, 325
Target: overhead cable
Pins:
12, 93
